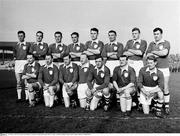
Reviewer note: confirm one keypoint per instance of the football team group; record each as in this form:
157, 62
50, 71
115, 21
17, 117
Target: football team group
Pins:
95, 74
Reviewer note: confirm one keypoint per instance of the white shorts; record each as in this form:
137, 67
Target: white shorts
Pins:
81, 90
42, 62
136, 64
165, 71
19, 65
142, 99
64, 93
111, 64
47, 91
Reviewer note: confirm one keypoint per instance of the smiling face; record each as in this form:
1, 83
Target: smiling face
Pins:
30, 59
123, 61
83, 59
58, 38
39, 37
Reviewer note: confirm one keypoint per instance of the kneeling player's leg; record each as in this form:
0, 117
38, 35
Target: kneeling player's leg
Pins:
89, 97
52, 90
159, 103
145, 108
65, 97
81, 92
94, 102
82, 102
31, 94
123, 102
107, 95
145, 103
127, 93
46, 98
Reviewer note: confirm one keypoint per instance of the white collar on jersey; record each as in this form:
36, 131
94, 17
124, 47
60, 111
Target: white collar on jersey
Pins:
70, 65
137, 41
101, 69
49, 66
39, 43
124, 68
20, 43
33, 64
111, 43
158, 42
86, 65
76, 44
151, 71
96, 41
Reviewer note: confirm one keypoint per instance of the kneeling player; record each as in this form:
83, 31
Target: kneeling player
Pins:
30, 75
84, 69
98, 82
68, 76
48, 79
151, 83
124, 78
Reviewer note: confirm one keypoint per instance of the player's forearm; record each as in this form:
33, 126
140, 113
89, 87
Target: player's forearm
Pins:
136, 52
128, 86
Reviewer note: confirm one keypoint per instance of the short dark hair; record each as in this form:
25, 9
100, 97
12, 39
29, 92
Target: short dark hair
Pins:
123, 56
98, 56
136, 29
158, 29
58, 32
21, 32
152, 57
112, 31
95, 29
49, 54
65, 55
40, 32
75, 33
30, 54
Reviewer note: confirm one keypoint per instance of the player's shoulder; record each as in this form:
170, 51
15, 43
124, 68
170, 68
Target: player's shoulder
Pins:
160, 73
119, 43
100, 42
88, 42
52, 44
116, 68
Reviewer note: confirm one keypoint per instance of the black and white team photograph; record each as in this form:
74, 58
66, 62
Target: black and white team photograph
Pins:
89, 67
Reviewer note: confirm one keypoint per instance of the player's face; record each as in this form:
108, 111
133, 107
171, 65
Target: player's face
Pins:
122, 61
58, 38
99, 63
151, 64
48, 60
30, 59
157, 36
112, 37
39, 37
67, 60
74, 38
21, 37
83, 59
94, 35
135, 35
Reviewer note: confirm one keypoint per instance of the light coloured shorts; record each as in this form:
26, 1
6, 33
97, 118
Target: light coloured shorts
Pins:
142, 99
137, 65
111, 64
19, 65
165, 71
81, 90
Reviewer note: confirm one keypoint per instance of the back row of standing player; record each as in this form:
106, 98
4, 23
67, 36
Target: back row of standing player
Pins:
134, 49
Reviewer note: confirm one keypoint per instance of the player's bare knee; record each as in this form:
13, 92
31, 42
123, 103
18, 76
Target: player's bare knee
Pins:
106, 91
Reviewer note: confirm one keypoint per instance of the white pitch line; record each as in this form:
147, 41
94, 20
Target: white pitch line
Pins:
89, 117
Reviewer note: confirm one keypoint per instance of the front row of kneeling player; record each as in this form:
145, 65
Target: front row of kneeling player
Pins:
93, 83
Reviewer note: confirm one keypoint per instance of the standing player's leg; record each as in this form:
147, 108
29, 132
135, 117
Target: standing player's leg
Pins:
166, 94
19, 86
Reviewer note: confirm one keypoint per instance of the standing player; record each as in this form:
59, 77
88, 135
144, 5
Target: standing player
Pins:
30, 74
58, 49
20, 55
160, 48
39, 48
76, 48
84, 69
94, 47
135, 50
68, 77
48, 79
98, 85
151, 83
124, 78
112, 51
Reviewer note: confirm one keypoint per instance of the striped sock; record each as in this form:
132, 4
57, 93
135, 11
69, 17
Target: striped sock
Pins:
159, 105
166, 99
